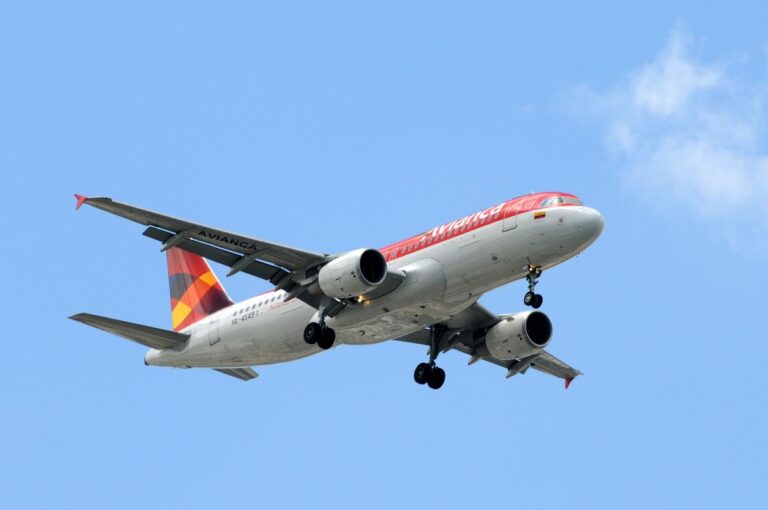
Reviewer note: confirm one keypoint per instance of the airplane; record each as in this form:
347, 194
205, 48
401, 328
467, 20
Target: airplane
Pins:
422, 290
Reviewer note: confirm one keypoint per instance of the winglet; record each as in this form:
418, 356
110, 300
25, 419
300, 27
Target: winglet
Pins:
568, 383
81, 199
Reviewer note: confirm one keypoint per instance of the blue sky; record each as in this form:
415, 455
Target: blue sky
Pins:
333, 126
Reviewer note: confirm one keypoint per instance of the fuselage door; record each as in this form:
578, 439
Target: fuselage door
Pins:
213, 332
510, 217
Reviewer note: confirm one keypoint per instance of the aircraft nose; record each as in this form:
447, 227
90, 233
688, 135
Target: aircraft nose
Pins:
591, 222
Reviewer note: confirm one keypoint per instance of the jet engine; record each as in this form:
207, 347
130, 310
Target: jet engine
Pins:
519, 335
353, 273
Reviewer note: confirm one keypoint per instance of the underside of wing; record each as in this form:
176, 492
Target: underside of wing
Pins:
273, 253
289, 269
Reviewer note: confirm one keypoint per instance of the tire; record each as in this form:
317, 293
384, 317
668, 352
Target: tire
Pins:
327, 337
437, 378
538, 300
312, 333
422, 373
528, 299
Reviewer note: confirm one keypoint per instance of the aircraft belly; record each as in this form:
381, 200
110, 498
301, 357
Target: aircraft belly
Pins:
398, 323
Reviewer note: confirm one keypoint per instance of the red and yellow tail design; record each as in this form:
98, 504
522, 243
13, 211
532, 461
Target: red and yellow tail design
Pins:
195, 290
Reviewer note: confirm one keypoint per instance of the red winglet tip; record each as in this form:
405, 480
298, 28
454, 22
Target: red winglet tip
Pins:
80, 201
568, 383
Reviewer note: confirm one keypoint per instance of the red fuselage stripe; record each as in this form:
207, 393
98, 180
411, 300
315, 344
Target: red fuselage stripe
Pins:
509, 209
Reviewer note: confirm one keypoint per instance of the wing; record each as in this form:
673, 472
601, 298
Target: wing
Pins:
290, 269
272, 253
462, 336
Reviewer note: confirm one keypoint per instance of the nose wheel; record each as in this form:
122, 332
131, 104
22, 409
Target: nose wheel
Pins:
532, 299
532, 276
321, 335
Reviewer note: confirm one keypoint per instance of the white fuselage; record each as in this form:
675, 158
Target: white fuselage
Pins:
446, 270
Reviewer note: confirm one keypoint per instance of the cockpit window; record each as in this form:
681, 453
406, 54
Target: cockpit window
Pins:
548, 202
553, 201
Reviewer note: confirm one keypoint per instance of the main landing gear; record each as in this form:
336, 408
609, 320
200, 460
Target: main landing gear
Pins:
319, 334
531, 298
429, 373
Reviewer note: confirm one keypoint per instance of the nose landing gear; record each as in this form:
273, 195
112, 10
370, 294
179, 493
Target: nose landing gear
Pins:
531, 298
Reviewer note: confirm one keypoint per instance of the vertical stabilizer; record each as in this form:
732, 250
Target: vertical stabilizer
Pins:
195, 290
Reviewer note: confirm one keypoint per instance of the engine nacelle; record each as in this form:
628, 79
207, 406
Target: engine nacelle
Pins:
519, 335
353, 274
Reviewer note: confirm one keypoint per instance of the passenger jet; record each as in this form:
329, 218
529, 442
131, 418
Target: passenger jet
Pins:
424, 290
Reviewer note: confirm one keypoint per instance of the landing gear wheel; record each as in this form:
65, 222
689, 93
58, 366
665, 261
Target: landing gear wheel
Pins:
529, 298
437, 378
327, 337
532, 277
430, 373
312, 332
423, 373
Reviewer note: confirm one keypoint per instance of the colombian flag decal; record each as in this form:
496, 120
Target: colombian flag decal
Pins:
539, 215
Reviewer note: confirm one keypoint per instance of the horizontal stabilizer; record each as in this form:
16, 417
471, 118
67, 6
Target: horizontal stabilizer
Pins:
155, 338
244, 374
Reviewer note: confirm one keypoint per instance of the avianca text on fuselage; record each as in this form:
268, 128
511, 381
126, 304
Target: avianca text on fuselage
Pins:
471, 221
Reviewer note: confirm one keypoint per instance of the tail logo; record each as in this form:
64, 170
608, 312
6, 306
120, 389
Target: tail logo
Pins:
195, 290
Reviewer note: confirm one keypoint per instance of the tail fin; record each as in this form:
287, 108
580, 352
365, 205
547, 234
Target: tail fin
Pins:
195, 290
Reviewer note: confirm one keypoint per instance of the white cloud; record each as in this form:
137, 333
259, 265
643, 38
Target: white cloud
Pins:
686, 132
665, 86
